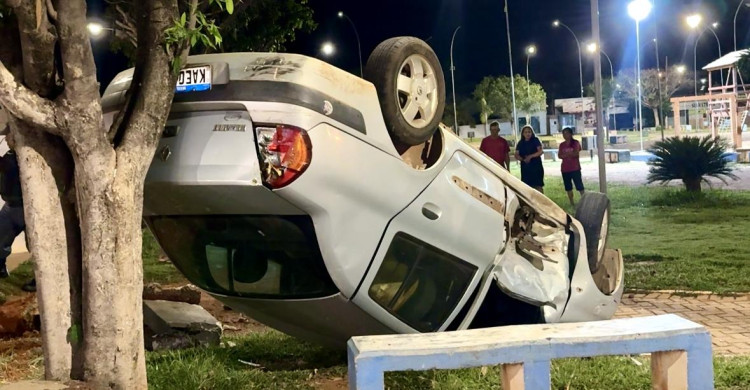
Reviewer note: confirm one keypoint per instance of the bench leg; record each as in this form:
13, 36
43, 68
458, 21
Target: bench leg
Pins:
364, 375
700, 364
684, 370
669, 370
526, 376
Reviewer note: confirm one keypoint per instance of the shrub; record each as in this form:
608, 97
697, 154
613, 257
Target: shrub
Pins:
690, 159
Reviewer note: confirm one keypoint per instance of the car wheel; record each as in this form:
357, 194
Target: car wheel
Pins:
593, 213
411, 88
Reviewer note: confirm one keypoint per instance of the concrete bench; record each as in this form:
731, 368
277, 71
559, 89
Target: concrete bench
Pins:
743, 155
550, 154
681, 351
616, 155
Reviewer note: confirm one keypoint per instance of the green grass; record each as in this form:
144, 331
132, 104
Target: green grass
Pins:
11, 286
290, 364
155, 271
674, 240
285, 363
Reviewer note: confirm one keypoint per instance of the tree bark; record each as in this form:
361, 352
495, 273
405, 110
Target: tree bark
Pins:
110, 198
657, 120
51, 223
52, 231
109, 176
692, 185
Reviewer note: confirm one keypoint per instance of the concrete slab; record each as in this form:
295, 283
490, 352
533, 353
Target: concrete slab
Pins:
177, 325
34, 385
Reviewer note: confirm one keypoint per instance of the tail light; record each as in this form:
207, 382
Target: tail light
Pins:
285, 153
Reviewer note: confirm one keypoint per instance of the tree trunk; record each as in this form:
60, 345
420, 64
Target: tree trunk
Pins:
110, 211
657, 120
53, 234
692, 185
46, 173
108, 176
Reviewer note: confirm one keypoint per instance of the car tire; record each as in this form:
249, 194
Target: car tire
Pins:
593, 213
412, 101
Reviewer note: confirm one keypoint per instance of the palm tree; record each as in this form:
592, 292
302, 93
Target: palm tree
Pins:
690, 159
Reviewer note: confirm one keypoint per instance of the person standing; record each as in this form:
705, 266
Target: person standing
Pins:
569, 152
12, 221
529, 153
496, 147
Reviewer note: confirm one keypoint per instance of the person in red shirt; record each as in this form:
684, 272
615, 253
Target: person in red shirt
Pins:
496, 147
569, 152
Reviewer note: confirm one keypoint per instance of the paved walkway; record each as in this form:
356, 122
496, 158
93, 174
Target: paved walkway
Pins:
725, 317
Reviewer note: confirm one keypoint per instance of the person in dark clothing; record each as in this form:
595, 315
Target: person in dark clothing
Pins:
12, 221
528, 153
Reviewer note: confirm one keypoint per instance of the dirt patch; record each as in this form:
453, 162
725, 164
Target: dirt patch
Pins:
17, 316
331, 384
235, 323
21, 358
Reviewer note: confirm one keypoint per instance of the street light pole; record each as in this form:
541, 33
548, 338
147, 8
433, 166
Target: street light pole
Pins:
640, 91
580, 63
639, 10
658, 85
694, 21
718, 43
512, 76
530, 51
593, 48
359, 45
735, 21
453, 82
611, 98
598, 88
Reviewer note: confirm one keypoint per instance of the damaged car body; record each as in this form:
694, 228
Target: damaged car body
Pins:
327, 206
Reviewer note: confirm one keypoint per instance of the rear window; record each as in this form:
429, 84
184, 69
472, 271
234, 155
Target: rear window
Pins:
420, 284
248, 256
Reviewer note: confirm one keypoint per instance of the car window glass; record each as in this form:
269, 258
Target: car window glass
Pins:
420, 284
254, 256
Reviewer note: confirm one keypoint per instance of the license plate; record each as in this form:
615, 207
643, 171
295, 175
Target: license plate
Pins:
194, 79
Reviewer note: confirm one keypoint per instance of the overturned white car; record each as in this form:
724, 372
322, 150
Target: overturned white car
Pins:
328, 206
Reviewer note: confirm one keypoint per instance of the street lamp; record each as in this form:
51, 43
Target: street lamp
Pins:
328, 49
359, 45
530, 51
453, 82
96, 29
639, 10
681, 69
694, 22
556, 24
512, 76
743, 2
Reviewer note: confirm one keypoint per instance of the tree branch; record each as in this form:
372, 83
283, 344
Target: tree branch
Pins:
24, 104
51, 11
79, 70
192, 21
239, 9
152, 88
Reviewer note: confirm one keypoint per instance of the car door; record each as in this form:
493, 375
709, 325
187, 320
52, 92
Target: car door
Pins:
435, 252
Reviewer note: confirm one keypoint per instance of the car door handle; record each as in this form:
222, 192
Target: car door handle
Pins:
431, 211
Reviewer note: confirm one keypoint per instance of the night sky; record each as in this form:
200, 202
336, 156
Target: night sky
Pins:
481, 44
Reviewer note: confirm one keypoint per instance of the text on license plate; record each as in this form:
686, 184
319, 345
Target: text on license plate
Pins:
194, 79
